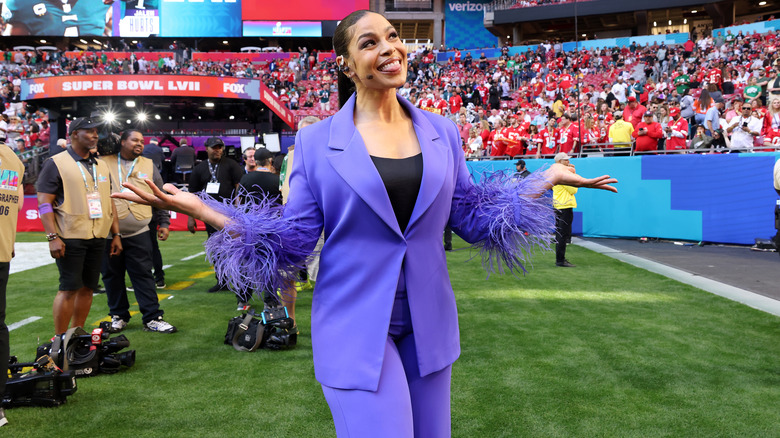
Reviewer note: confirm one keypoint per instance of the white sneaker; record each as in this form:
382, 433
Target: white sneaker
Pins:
3, 420
159, 325
117, 324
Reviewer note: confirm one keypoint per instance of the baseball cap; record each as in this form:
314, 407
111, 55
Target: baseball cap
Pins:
214, 142
674, 112
648, 114
560, 156
82, 123
631, 99
262, 154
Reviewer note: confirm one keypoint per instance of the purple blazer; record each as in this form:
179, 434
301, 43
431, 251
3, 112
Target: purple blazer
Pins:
334, 186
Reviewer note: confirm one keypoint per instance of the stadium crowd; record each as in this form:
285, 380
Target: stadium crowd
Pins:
533, 104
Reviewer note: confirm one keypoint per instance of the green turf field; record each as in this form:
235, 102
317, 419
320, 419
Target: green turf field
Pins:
601, 350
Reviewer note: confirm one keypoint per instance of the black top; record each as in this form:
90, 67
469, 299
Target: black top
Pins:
228, 175
402, 178
262, 183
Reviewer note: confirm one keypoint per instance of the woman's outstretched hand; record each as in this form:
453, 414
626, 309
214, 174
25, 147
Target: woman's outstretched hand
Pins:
175, 200
560, 174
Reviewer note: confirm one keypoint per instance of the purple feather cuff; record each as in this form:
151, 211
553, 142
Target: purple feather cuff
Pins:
258, 250
516, 219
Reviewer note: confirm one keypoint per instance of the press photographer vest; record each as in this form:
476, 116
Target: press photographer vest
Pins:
143, 170
72, 216
11, 196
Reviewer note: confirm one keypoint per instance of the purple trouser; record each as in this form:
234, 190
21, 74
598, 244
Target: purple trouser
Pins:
404, 405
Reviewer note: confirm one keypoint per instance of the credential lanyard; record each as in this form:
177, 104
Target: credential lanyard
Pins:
119, 169
84, 176
213, 170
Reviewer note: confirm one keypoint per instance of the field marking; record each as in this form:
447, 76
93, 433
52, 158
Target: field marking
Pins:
203, 274
108, 318
23, 322
733, 293
159, 297
193, 256
179, 285
164, 267
30, 255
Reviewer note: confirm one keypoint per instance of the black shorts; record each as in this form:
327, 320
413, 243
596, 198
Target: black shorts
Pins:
80, 266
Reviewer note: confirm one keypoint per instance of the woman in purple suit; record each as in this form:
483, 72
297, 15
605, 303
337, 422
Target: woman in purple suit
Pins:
381, 179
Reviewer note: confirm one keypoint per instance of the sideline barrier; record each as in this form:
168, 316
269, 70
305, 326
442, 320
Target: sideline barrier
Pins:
727, 198
723, 198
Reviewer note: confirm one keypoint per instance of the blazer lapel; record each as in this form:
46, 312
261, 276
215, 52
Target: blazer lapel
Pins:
350, 159
436, 161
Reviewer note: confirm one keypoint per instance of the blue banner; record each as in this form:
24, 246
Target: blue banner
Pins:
649, 40
464, 24
748, 29
725, 198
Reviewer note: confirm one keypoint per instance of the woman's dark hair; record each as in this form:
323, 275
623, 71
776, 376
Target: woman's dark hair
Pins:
341, 37
704, 99
126, 133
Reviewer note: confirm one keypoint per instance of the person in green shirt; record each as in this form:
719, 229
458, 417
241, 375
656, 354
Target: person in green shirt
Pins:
681, 83
752, 91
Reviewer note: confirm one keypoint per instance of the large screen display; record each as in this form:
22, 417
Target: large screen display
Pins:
201, 18
130, 18
282, 29
317, 10
56, 18
135, 18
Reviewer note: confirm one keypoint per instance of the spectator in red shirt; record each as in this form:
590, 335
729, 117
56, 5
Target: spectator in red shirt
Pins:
647, 134
633, 112
568, 134
550, 139
677, 130
456, 101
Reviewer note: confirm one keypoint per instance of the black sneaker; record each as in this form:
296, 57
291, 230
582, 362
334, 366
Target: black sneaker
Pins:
217, 288
565, 264
160, 284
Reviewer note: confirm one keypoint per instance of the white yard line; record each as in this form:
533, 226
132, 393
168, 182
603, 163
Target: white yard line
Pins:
193, 256
23, 322
30, 255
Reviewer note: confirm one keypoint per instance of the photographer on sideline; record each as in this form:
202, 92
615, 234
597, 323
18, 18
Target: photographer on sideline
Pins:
77, 212
136, 259
11, 200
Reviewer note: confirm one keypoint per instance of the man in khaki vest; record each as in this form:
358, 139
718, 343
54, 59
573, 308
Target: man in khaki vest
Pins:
136, 258
75, 206
11, 200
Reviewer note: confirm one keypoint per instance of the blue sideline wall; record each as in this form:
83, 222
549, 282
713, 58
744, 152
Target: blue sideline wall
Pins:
726, 198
